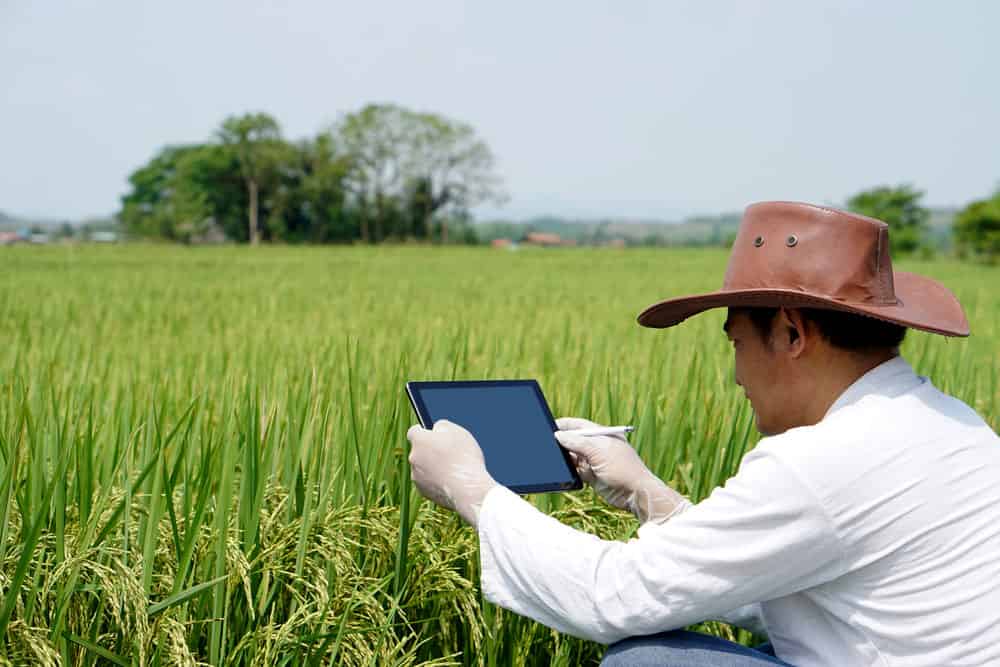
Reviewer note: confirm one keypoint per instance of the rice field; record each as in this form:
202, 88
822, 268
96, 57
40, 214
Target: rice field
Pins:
202, 450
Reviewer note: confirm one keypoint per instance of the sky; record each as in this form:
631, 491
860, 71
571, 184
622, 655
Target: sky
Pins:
625, 109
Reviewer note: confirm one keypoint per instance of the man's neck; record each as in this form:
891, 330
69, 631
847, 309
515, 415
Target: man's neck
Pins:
835, 372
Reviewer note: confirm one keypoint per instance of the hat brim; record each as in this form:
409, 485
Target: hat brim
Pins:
921, 303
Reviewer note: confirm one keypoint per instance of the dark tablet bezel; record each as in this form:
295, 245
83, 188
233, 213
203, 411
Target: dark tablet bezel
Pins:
413, 393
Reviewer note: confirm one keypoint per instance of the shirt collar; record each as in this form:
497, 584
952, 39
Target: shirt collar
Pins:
889, 378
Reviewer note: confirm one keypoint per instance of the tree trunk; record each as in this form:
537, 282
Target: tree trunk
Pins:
378, 216
433, 206
364, 221
427, 225
252, 192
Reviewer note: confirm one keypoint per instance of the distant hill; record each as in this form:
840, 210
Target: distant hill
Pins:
693, 231
701, 230
12, 223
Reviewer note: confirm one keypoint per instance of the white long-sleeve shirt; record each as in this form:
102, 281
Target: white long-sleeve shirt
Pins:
870, 538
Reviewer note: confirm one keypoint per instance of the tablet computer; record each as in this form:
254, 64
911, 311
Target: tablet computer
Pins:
512, 424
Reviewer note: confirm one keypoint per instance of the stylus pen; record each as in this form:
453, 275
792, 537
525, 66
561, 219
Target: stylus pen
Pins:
607, 430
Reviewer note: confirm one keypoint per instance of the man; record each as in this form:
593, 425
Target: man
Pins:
863, 530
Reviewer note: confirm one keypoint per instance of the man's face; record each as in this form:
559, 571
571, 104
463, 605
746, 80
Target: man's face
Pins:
760, 371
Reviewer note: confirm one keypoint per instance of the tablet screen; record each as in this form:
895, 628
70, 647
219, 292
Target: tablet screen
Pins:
512, 424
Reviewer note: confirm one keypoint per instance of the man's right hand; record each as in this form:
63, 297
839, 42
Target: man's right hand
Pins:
615, 471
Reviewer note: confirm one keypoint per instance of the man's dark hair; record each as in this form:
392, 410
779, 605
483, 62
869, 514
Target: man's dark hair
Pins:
844, 330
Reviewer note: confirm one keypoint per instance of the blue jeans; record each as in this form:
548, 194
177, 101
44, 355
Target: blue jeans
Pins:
681, 648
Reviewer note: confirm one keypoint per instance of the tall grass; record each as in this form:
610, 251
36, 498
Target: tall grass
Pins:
202, 451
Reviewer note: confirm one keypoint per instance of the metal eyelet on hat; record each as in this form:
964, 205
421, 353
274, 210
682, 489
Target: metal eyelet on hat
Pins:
758, 242
791, 240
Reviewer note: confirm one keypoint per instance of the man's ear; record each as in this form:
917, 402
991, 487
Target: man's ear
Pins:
789, 331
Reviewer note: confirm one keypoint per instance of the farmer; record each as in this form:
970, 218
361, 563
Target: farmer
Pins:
863, 530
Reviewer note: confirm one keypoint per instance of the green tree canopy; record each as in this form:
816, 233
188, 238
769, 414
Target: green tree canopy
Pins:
182, 191
453, 165
186, 190
409, 166
900, 208
977, 229
255, 140
383, 172
308, 202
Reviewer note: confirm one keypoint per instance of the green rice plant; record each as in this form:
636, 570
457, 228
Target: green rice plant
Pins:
203, 453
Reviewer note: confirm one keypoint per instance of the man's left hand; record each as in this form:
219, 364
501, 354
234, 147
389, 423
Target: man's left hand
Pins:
448, 468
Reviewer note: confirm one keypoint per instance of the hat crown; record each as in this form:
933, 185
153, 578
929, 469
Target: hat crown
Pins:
795, 246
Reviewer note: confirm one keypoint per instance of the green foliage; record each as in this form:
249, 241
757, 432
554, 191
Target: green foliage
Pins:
255, 140
382, 173
977, 229
409, 166
203, 452
184, 190
900, 208
315, 194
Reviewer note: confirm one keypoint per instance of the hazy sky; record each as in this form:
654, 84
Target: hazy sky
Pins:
592, 108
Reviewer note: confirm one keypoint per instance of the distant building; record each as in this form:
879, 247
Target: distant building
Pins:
7, 238
39, 238
104, 237
501, 243
542, 239
616, 243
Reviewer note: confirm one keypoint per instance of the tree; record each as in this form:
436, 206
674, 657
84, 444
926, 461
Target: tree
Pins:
185, 190
255, 138
420, 206
384, 170
65, 231
977, 228
182, 190
374, 140
322, 191
455, 167
208, 190
308, 201
421, 163
900, 208
147, 208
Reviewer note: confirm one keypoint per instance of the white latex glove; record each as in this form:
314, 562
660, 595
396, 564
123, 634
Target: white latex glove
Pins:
448, 468
610, 465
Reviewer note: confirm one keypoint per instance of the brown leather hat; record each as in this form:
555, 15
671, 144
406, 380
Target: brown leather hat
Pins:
804, 256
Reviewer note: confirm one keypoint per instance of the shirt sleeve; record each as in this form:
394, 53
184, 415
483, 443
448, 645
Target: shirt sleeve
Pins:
749, 617
761, 536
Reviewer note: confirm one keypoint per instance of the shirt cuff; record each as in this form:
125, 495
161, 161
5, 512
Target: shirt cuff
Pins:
500, 504
652, 524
